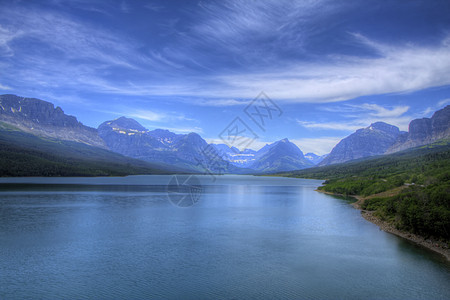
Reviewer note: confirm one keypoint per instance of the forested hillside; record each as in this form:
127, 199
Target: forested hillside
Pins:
23, 154
421, 206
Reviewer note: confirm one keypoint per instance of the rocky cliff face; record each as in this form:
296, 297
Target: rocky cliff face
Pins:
41, 118
128, 137
424, 131
276, 157
370, 141
234, 156
279, 157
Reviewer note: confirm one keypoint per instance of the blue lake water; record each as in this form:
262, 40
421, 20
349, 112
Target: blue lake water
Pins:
243, 237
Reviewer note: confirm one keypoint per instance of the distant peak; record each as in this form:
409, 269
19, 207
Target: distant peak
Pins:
311, 154
193, 135
127, 123
160, 130
383, 127
124, 119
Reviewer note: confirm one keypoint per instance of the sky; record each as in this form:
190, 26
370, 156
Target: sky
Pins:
310, 71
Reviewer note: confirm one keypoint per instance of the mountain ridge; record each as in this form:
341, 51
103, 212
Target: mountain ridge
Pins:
279, 156
41, 118
128, 137
25, 154
424, 131
189, 151
372, 140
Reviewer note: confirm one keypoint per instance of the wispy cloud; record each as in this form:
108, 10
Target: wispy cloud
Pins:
345, 126
443, 102
180, 130
382, 112
404, 69
147, 115
86, 57
73, 39
71, 53
235, 24
154, 116
6, 36
4, 87
256, 144
361, 116
221, 102
431, 109
153, 7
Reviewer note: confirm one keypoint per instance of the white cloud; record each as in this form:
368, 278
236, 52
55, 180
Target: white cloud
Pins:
4, 87
354, 124
234, 24
256, 144
154, 116
6, 36
180, 130
221, 102
147, 115
444, 102
428, 112
319, 146
403, 69
93, 49
361, 116
382, 112
396, 69
348, 125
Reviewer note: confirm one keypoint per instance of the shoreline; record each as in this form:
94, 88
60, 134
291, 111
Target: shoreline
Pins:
430, 244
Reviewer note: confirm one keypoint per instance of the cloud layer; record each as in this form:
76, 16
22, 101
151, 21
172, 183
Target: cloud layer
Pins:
190, 66
69, 52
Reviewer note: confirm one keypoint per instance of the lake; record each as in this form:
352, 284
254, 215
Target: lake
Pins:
217, 237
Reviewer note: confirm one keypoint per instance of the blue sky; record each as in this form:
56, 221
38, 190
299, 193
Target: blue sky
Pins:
330, 66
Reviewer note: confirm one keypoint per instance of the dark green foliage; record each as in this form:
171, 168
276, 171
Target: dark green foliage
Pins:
422, 207
362, 186
373, 203
412, 162
23, 154
424, 211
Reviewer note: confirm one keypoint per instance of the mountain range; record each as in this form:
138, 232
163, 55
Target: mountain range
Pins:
381, 138
125, 136
424, 131
372, 140
165, 150
190, 151
282, 155
41, 118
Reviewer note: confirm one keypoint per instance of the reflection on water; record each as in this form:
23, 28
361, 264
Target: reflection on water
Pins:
246, 237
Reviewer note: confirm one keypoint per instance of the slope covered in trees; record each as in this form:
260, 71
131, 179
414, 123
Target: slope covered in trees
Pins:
422, 206
23, 154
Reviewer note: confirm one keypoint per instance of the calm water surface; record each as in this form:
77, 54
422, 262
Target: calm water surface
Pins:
246, 237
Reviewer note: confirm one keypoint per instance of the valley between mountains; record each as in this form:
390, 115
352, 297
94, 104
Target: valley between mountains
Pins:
166, 151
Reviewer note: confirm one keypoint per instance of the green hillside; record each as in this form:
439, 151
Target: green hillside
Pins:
23, 154
423, 204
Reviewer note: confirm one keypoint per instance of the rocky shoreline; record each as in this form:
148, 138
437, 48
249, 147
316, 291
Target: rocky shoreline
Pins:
434, 245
